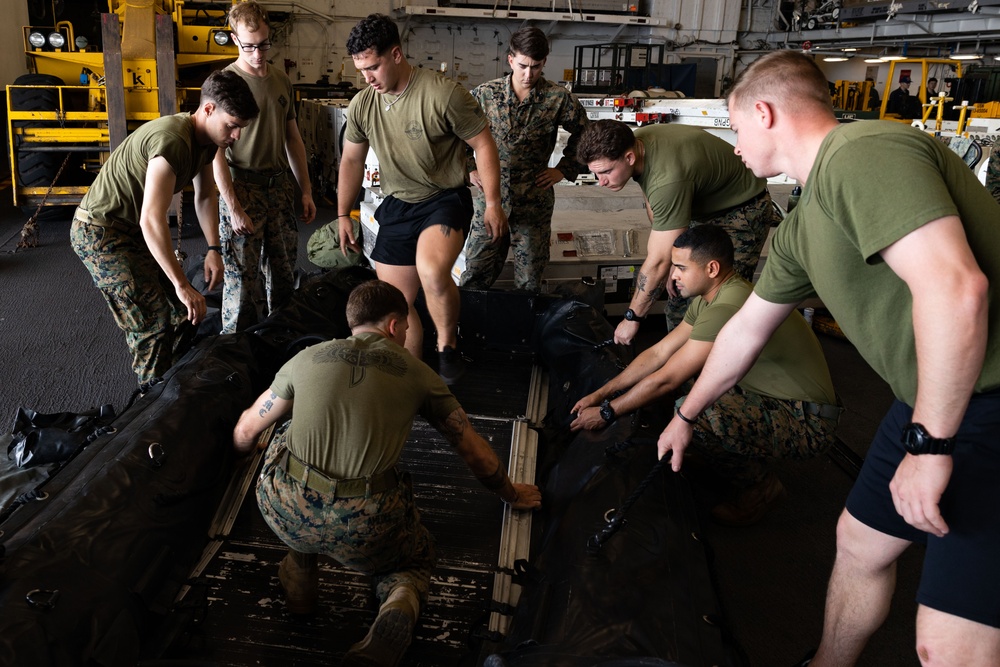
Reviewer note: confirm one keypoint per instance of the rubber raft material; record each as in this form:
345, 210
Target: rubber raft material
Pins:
90, 569
645, 597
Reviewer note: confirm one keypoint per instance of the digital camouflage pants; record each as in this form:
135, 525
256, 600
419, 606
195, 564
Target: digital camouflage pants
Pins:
141, 297
748, 226
380, 536
742, 430
530, 219
269, 253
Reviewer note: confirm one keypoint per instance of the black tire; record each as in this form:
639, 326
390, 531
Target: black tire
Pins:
37, 169
811, 23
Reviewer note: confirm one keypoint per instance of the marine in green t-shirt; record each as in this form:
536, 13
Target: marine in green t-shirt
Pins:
419, 124
785, 407
258, 225
689, 177
329, 485
120, 230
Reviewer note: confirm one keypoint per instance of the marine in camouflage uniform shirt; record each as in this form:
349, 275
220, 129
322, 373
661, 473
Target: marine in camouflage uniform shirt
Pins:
525, 133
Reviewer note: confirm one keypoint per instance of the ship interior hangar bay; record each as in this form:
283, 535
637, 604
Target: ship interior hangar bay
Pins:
175, 565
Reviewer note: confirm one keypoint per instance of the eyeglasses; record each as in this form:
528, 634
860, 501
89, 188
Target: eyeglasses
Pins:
250, 48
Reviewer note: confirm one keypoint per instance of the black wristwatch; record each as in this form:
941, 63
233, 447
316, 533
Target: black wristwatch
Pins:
607, 412
631, 316
917, 440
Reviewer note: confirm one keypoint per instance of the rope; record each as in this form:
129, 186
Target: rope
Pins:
29, 233
597, 540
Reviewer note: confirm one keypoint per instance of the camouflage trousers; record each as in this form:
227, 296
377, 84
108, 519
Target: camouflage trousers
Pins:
530, 219
748, 226
993, 173
142, 299
741, 431
380, 536
269, 253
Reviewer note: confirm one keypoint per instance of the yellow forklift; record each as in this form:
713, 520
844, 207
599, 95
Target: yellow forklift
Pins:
85, 92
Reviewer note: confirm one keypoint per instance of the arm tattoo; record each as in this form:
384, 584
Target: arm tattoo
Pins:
266, 405
641, 279
453, 427
495, 480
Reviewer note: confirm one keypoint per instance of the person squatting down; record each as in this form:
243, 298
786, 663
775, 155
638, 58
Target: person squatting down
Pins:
256, 179
412, 118
330, 484
525, 111
785, 406
908, 278
689, 177
121, 233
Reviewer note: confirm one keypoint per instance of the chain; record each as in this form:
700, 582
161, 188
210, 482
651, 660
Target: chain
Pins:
29, 233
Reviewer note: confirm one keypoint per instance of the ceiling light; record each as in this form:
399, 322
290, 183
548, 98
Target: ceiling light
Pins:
835, 59
893, 57
965, 56
874, 60
849, 50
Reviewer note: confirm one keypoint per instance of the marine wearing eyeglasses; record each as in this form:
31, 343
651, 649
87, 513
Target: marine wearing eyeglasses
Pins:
257, 208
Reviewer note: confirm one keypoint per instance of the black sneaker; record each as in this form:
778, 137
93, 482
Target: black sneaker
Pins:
451, 365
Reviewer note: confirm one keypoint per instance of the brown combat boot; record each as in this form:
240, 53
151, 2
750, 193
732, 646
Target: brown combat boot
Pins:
751, 504
390, 634
298, 574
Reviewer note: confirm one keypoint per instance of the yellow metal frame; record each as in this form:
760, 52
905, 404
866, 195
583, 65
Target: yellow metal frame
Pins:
923, 64
195, 46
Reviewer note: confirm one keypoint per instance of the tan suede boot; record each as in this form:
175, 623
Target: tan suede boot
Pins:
391, 633
298, 574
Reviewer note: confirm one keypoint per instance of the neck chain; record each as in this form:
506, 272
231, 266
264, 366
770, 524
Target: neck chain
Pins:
388, 105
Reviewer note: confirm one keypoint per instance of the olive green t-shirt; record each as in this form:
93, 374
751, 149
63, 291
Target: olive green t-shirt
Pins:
118, 189
689, 174
262, 143
420, 139
790, 367
355, 400
850, 210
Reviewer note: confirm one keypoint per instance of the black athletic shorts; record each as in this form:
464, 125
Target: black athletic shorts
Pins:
961, 574
401, 223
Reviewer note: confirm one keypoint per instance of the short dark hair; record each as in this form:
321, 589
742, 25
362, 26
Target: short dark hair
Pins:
707, 242
529, 41
604, 140
228, 90
933, 78
373, 301
375, 31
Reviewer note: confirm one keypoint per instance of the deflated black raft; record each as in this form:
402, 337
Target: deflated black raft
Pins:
91, 572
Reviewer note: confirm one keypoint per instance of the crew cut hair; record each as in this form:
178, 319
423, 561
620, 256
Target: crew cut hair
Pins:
529, 41
230, 92
249, 14
375, 31
373, 301
786, 79
707, 242
604, 140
